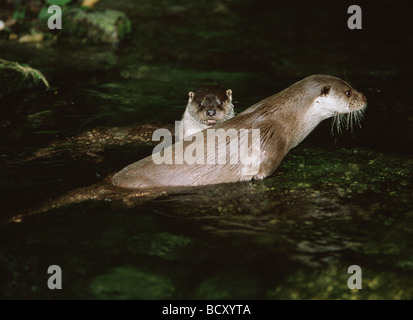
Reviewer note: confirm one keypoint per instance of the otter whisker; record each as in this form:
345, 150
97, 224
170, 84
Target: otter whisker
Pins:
352, 118
359, 116
349, 118
337, 123
333, 123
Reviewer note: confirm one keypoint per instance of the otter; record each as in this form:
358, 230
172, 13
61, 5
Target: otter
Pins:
207, 106
283, 120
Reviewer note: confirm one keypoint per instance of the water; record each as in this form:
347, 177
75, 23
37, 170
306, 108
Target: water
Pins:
335, 201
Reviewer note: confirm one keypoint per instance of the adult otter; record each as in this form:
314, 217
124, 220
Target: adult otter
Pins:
207, 106
283, 121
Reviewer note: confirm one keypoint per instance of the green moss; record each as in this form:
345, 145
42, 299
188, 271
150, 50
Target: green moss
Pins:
331, 283
15, 76
165, 245
130, 283
228, 286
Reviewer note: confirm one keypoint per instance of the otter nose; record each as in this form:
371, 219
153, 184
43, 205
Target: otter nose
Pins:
364, 98
211, 113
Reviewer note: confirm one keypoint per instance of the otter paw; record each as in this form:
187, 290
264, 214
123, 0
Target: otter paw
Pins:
259, 176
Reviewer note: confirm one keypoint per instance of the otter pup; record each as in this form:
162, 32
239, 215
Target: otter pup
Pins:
207, 106
283, 121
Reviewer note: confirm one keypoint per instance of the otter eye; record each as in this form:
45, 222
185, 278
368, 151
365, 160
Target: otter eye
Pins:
348, 93
201, 104
219, 102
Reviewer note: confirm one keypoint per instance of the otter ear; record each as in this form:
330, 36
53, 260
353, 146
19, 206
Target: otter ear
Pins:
229, 94
191, 96
325, 91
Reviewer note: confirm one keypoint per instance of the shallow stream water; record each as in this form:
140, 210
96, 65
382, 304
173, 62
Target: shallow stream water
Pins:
337, 199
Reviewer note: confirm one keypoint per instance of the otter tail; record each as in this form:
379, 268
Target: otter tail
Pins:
99, 191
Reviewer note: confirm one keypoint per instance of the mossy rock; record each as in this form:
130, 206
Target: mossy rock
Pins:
15, 76
107, 26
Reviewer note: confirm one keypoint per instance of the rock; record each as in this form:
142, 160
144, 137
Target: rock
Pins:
106, 26
37, 37
14, 77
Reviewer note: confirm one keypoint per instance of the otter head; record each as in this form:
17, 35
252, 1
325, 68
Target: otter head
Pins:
211, 105
336, 98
